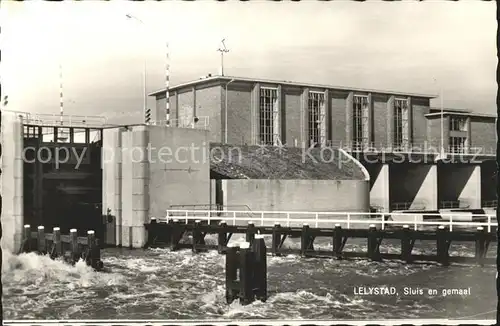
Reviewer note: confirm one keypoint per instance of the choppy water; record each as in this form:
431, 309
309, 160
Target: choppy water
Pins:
159, 284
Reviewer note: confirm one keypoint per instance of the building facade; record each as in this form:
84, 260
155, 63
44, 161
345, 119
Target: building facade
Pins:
266, 112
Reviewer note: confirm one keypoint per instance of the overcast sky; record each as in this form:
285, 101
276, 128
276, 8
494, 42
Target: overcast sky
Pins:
397, 46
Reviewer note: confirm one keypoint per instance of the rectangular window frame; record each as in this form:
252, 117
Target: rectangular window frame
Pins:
269, 117
360, 121
316, 117
401, 124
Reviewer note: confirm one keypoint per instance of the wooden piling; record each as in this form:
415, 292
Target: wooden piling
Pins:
276, 239
232, 262
42, 243
197, 236
89, 259
250, 234
26, 247
260, 268
480, 245
247, 261
337, 242
56, 243
304, 240
175, 235
442, 245
75, 250
222, 237
406, 244
373, 244
152, 232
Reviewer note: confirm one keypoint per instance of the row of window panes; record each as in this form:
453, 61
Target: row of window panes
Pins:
457, 144
458, 124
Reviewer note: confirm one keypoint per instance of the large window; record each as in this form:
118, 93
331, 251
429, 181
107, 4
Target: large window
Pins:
269, 116
457, 144
317, 121
401, 123
360, 121
458, 123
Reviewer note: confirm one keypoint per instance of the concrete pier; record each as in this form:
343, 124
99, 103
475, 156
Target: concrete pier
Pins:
12, 181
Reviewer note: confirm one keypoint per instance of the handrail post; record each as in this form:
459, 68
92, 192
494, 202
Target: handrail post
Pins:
348, 220
288, 219
489, 223
234, 218
451, 223
383, 221
186, 217
415, 222
316, 220
262, 219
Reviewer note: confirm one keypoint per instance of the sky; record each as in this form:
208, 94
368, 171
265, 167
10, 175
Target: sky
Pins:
417, 47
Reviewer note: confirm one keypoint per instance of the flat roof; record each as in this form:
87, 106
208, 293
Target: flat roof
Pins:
284, 82
467, 114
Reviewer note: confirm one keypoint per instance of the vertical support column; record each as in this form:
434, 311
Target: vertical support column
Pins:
370, 121
390, 122
276, 239
349, 119
406, 244
231, 273
304, 119
281, 131
256, 114
250, 234
442, 245
194, 100
222, 237
328, 117
337, 241
260, 268
373, 244
42, 244
410, 122
468, 141
247, 261
480, 245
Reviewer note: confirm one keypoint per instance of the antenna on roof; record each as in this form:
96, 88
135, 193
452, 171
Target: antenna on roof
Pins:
222, 50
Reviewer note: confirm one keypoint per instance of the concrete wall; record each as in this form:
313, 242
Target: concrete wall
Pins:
239, 114
184, 180
11, 181
420, 107
483, 133
139, 182
460, 182
380, 120
379, 192
434, 132
291, 105
209, 104
414, 183
339, 118
298, 195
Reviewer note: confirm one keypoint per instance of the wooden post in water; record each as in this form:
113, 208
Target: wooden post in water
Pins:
90, 249
222, 237
276, 239
197, 236
373, 244
260, 268
56, 243
152, 231
250, 234
73, 240
26, 239
337, 242
232, 263
406, 244
480, 245
304, 240
175, 235
42, 243
247, 261
442, 245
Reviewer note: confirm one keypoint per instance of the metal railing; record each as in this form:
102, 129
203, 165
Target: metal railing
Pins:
54, 120
453, 204
208, 207
407, 206
490, 203
415, 148
329, 219
202, 123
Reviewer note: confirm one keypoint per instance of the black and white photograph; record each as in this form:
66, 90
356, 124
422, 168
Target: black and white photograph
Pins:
229, 162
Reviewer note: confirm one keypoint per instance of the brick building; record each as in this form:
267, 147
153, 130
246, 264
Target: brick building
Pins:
257, 111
